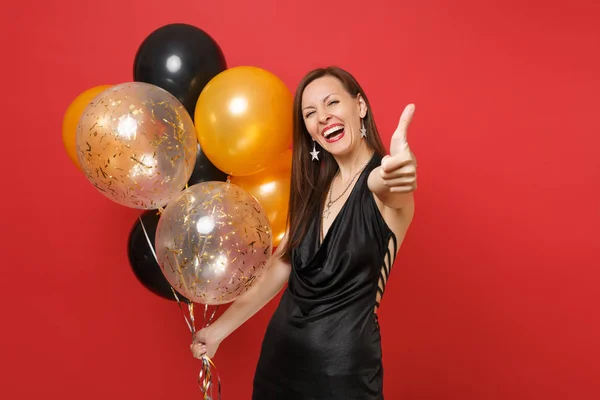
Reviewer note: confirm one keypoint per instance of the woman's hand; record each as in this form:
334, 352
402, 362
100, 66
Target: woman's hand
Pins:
205, 343
399, 169
395, 180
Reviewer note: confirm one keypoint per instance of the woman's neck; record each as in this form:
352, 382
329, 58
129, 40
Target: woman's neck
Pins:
350, 164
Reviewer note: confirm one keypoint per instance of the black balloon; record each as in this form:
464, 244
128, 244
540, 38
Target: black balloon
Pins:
181, 59
142, 261
205, 171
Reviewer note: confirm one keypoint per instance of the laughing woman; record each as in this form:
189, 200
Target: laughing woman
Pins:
350, 208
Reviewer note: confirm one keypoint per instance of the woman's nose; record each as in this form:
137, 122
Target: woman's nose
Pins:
324, 117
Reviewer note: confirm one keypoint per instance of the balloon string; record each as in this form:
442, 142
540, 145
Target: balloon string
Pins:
205, 375
190, 325
212, 316
205, 378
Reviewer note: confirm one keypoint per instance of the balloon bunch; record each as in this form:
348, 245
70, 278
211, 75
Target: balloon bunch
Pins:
203, 150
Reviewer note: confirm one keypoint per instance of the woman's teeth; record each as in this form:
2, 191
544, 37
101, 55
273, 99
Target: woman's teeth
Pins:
331, 131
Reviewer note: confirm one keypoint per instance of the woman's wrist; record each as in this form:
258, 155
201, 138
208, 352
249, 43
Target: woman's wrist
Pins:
216, 331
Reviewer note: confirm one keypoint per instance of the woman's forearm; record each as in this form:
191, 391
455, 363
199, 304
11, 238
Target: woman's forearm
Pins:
250, 302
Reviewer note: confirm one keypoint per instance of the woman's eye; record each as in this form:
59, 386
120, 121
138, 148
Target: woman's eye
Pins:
333, 102
308, 114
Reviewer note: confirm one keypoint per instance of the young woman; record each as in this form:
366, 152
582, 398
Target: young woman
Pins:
350, 208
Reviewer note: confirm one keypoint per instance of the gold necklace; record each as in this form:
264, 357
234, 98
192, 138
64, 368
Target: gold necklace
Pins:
327, 209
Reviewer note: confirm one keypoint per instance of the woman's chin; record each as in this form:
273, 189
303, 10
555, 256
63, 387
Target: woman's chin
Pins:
343, 148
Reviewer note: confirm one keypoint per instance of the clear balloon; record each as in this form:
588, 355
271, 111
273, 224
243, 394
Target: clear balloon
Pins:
213, 242
137, 145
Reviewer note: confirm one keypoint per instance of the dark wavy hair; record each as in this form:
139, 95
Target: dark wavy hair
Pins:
311, 179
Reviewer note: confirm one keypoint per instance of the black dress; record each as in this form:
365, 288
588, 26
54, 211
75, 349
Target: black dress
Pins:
323, 340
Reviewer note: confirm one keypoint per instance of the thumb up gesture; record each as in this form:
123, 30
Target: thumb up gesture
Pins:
399, 168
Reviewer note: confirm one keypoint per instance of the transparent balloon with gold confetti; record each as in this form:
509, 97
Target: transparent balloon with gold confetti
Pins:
136, 144
213, 242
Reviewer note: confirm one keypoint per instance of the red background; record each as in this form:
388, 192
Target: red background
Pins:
495, 293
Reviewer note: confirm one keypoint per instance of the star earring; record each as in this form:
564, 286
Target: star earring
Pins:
363, 130
314, 153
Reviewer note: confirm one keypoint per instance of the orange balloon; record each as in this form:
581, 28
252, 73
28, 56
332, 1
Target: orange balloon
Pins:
271, 187
71, 120
243, 120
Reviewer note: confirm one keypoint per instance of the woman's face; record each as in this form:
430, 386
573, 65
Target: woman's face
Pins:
332, 116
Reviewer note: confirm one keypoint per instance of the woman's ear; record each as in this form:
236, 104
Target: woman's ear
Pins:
362, 106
